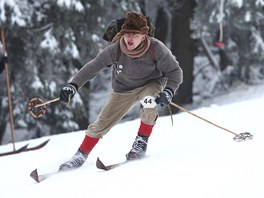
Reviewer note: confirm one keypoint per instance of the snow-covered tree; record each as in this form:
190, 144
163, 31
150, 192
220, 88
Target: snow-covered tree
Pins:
238, 25
48, 42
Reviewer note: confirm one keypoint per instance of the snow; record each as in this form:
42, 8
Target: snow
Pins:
49, 42
187, 160
71, 3
52, 86
238, 3
259, 3
247, 17
37, 84
72, 50
258, 42
17, 16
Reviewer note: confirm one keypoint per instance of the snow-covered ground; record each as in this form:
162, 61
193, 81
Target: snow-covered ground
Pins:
191, 159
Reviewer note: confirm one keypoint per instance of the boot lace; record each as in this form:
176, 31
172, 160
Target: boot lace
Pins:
76, 161
139, 144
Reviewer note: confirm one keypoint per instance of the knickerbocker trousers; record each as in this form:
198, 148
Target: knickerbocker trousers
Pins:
119, 104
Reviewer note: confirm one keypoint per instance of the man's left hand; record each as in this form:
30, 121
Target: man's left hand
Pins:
164, 97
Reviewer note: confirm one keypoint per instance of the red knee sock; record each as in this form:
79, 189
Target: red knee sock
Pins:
145, 129
88, 144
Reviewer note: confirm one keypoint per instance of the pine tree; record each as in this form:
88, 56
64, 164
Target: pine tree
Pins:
47, 43
242, 56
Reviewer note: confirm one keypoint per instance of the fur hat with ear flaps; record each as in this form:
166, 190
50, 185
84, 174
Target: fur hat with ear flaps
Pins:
135, 23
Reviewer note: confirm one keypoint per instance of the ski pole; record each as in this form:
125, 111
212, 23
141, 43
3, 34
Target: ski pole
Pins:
47, 102
8, 92
238, 137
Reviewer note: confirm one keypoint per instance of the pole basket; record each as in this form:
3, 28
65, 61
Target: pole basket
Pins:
243, 137
35, 110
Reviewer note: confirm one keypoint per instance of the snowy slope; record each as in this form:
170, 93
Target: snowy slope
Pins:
187, 160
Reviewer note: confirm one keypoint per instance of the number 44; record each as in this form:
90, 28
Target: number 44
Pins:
148, 102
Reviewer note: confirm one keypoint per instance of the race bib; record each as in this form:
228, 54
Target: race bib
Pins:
148, 102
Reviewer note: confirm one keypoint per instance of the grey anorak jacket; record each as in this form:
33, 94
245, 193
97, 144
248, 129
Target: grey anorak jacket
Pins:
130, 73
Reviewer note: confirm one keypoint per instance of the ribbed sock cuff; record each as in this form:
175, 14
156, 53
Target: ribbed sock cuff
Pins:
88, 144
145, 129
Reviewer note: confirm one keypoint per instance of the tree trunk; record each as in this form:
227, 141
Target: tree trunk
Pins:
162, 25
183, 48
2, 122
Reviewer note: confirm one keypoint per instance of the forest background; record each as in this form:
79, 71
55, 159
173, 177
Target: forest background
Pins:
219, 44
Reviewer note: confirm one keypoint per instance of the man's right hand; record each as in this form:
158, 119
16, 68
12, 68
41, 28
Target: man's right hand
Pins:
67, 92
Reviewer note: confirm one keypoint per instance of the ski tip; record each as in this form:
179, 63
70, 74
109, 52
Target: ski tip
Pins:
45, 142
34, 175
39, 146
23, 148
100, 165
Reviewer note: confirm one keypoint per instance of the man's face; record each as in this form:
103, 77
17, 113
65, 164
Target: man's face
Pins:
132, 40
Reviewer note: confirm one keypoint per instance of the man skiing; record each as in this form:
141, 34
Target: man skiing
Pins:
135, 78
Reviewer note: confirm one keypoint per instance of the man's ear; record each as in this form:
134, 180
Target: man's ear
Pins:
143, 37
